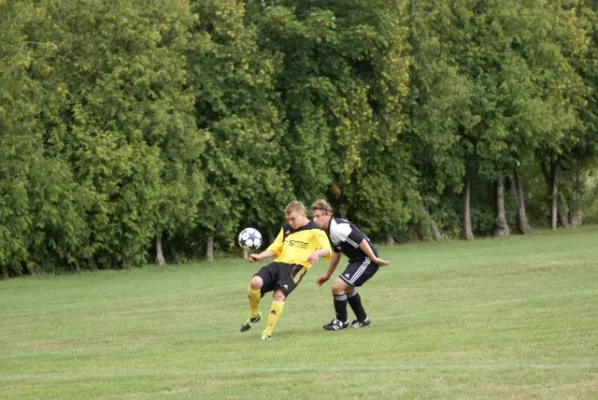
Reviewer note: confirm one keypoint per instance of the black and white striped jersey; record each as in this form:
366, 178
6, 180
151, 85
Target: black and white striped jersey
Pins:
345, 238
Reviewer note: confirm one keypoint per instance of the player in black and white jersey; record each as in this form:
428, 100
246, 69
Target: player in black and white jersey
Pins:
347, 239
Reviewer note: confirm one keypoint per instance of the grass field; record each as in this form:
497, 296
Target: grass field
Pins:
488, 319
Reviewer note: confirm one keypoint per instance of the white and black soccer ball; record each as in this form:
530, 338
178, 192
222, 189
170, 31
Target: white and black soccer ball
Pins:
250, 239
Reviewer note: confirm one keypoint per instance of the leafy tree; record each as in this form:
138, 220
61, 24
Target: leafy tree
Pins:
506, 52
342, 85
579, 38
126, 114
43, 207
20, 98
438, 105
245, 170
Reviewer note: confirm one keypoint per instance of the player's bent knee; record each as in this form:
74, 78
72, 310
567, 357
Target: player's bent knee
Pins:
339, 286
278, 296
256, 283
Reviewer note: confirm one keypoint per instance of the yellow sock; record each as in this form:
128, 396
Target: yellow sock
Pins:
254, 301
273, 315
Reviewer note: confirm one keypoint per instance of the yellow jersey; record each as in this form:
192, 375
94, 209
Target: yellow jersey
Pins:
293, 246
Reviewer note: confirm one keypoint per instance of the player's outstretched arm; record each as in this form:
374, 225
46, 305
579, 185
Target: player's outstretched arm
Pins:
367, 249
313, 257
264, 254
334, 259
380, 262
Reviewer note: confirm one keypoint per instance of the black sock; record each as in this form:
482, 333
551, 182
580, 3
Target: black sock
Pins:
340, 307
355, 302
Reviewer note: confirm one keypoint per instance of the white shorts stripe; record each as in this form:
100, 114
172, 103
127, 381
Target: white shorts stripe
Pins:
360, 271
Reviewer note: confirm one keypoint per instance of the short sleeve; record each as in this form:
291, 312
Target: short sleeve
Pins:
276, 245
323, 242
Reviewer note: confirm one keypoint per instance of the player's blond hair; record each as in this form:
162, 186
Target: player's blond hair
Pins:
295, 206
322, 205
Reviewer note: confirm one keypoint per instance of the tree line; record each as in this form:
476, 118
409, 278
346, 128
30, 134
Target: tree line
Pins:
139, 130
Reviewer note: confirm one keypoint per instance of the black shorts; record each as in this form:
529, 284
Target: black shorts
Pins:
359, 271
280, 275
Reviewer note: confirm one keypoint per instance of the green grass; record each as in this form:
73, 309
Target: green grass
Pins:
488, 319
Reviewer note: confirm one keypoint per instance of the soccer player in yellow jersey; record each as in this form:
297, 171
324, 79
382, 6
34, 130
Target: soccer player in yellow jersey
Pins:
299, 244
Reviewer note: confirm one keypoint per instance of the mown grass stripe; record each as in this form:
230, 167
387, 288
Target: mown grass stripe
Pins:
73, 376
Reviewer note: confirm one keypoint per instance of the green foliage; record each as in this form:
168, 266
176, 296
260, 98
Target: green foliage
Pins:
19, 99
112, 134
42, 206
514, 91
438, 109
130, 120
439, 102
343, 81
123, 122
243, 163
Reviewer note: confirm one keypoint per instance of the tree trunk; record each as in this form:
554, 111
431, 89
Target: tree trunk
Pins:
467, 231
574, 201
31, 269
5, 272
437, 232
210, 248
429, 224
77, 265
554, 193
502, 228
159, 252
575, 218
245, 254
551, 176
563, 218
521, 219
390, 241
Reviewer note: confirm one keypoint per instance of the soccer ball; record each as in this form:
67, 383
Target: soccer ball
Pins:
250, 239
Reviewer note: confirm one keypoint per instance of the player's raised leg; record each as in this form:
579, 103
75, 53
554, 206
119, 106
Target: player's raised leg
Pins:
254, 294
